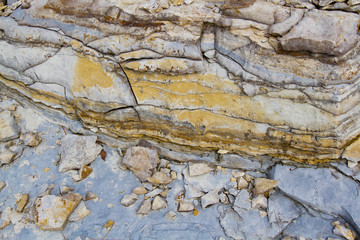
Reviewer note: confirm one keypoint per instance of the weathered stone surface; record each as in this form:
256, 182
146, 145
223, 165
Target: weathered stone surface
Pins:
77, 151
159, 178
241, 183
145, 207
242, 200
80, 212
8, 126
262, 185
210, 198
186, 206
335, 41
321, 190
52, 212
140, 190
129, 199
31, 139
141, 161
352, 152
158, 203
196, 169
6, 156
259, 201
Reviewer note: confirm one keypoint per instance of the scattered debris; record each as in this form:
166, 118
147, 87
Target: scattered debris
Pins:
129, 199
159, 178
141, 190
210, 198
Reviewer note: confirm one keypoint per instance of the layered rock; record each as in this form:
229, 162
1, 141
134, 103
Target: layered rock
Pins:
250, 77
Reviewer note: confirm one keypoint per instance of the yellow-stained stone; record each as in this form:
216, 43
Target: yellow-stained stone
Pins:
88, 73
352, 152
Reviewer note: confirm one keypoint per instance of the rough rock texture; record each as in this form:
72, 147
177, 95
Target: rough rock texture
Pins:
77, 151
52, 212
195, 74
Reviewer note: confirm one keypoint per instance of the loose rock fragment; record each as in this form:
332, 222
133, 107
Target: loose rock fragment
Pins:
241, 200
241, 183
52, 212
141, 161
192, 192
263, 185
31, 139
159, 178
129, 199
8, 126
85, 171
158, 203
91, 196
65, 190
210, 198
22, 202
342, 231
186, 206
259, 201
352, 152
79, 213
77, 151
6, 157
197, 169
145, 207
153, 193
171, 215
2, 185
141, 190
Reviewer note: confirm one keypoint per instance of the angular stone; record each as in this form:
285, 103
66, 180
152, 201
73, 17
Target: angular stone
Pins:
326, 36
85, 171
241, 200
210, 198
80, 212
24, 199
159, 178
91, 196
353, 2
141, 190
141, 161
65, 189
171, 215
241, 183
2, 185
153, 193
259, 201
6, 156
129, 199
145, 207
262, 185
352, 152
158, 203
197, 169
77, 151
192, 192
342, 231
31, 139
186, 206
52, 212
8, 126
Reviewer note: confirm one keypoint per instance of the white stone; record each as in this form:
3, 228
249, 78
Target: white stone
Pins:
145, 207
8, 126
141, 161
153, 193
171, 215
192, 192
79, 213
76, 151
158, 203
197, 169
210, 198
129, 199
186, 206
6, 156
259, 201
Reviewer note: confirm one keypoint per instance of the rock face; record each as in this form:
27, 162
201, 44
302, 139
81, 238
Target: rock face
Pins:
204, 75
